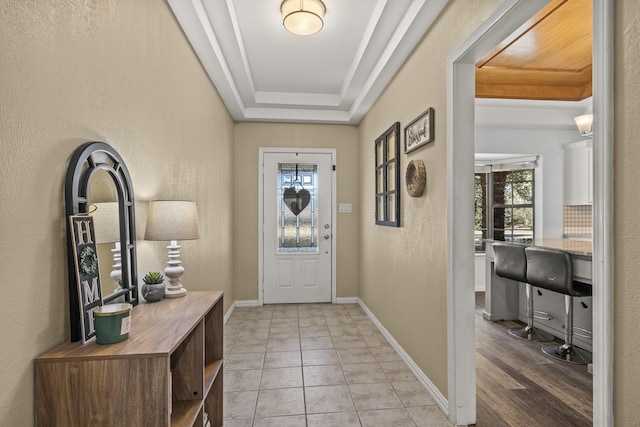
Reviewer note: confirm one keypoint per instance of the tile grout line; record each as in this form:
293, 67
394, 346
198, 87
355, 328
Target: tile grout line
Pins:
327, 318
304, 392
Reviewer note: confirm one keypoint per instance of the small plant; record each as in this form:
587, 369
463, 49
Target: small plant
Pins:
153, 278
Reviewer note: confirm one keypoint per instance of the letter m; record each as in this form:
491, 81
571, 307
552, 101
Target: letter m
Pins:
91, 293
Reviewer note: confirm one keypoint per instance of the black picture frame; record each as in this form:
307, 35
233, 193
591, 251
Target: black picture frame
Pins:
420, 131
387, 177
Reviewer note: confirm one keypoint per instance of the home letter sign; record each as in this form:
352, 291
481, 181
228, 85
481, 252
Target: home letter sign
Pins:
87, 271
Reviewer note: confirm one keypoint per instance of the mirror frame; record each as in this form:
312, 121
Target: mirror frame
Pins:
87, 159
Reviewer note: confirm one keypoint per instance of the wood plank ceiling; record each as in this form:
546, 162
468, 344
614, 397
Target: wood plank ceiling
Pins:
547, 58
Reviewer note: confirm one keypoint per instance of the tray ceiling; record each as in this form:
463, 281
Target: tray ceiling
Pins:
263, 72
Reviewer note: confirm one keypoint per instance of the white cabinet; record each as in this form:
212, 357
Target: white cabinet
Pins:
578, 173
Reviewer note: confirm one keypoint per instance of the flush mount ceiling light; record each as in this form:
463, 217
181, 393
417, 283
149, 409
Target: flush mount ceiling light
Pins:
303, 17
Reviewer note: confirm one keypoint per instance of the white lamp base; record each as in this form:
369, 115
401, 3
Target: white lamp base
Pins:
116, 273
173, 271
174, 293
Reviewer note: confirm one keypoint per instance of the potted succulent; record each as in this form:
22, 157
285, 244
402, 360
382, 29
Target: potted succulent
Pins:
153, 288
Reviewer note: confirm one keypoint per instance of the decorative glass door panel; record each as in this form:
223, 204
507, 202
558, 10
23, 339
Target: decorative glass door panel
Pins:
297, 204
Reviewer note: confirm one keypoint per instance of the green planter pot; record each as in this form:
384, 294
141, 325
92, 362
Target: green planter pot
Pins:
113, 323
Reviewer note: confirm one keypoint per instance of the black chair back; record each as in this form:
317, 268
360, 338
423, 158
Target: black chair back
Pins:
552, 269
510, 261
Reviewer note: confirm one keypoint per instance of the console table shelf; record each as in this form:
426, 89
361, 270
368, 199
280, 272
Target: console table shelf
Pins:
168, 373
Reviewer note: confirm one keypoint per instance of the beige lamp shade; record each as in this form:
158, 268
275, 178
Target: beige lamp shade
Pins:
106, 222
172, 220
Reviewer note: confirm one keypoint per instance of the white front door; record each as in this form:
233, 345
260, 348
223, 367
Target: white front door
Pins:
297, 227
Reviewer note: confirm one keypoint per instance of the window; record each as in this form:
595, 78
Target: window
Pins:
297, 207
504, 204
481, 211
513, 206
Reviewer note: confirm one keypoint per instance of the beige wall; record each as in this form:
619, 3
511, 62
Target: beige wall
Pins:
249, 137
403, 281
122, 72
403, 270
627, 214
117, 71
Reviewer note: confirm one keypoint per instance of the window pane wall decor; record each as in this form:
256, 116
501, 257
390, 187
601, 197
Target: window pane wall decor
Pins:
387, 181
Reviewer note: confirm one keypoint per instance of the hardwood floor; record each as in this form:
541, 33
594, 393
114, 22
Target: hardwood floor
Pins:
517, 385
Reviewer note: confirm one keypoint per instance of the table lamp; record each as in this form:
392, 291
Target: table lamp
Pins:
172, 220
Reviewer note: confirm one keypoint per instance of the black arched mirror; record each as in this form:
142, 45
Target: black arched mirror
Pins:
98, 184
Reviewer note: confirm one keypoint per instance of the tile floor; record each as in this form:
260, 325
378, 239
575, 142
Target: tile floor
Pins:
317, 365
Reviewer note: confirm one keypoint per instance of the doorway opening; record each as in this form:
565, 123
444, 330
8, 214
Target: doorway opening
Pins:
460, 168
296, 223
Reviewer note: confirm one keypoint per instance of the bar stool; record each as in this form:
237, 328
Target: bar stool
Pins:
511, 263
552, 269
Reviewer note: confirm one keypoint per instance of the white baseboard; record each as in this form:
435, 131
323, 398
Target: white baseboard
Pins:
239, 303
346, 300
229, 313
433, 391
247, 303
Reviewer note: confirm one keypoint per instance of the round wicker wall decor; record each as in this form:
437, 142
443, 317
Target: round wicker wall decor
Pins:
416, 178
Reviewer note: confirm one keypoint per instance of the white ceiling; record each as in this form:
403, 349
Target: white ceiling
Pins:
264, 73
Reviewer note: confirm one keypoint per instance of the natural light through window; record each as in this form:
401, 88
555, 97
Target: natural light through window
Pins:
297, 210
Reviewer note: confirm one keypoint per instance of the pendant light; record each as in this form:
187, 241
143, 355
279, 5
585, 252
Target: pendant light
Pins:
303, 17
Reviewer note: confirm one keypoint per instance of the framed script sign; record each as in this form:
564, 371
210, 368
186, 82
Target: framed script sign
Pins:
419, 132
87, 271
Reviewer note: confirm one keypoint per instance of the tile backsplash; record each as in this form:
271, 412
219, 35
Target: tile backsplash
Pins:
577, 221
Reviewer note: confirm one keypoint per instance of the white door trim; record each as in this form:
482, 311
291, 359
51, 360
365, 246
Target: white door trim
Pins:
334, 228
460, 262
603, 256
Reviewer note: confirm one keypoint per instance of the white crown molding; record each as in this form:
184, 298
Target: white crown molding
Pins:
392, 31
530, 114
